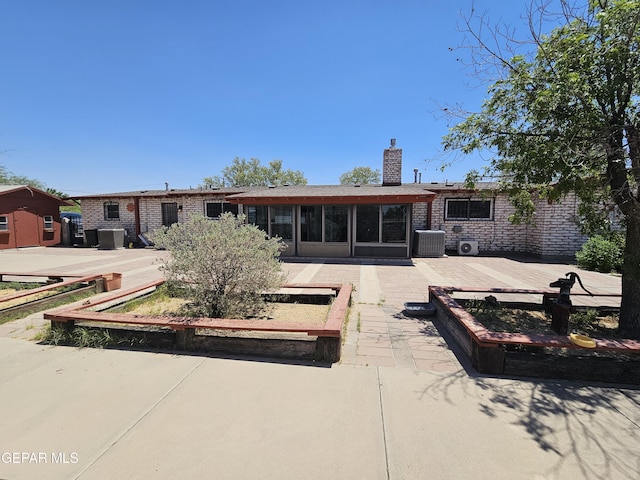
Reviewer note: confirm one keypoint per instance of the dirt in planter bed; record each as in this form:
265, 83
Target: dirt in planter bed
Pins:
276, 311
499, 318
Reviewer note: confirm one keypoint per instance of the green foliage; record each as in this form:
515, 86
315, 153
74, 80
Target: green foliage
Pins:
243, 173
11, 314
74, 208
87, 337
20, 285
558, 117
564, 117
98, 338
223, 265
360, 176
57, 193
8, 178
602, 254
158, 295
55, 336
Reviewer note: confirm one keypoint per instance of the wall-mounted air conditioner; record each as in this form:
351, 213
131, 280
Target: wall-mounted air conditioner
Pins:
467, 247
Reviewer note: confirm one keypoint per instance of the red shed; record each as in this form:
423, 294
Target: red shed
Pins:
28, 217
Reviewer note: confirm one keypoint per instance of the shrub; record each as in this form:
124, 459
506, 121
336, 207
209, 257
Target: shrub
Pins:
602, 254
223, 266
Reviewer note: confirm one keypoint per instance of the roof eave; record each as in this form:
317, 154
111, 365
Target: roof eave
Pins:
332, 199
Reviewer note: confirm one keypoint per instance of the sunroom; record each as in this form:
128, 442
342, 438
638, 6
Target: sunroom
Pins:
337, 221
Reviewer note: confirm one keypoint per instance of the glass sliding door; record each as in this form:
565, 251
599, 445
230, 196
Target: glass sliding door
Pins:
368, 224
311, 223
336, 223
394, 223
382, 231
282, 222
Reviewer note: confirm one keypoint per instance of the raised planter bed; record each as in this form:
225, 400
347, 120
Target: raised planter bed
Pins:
320, 342
532, 355
19, 301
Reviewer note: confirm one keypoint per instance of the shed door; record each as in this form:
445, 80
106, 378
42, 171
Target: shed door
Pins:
169, 214
26, 229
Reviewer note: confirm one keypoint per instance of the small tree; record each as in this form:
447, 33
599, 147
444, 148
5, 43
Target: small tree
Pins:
564, 117
360, 176
243, 173
223, 265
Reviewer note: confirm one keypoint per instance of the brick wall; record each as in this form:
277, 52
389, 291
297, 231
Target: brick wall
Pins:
392, 166
554, 233
150, 211
93, 215
420, 216
555, 230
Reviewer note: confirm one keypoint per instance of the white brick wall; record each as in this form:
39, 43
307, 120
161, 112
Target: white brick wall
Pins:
150, 211
555, 232
392, 166
556, 229
420, 216
93, 216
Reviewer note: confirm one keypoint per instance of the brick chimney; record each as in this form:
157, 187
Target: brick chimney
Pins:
392, 165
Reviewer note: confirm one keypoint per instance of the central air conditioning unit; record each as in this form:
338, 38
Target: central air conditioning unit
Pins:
467, 247
429, 243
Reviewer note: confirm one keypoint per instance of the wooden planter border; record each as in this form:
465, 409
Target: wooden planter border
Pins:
488, 352
329, 333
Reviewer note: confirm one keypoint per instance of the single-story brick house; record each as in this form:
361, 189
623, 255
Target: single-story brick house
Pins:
28, 217
352, 220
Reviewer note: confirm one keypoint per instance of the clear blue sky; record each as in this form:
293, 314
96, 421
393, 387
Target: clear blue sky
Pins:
108, 96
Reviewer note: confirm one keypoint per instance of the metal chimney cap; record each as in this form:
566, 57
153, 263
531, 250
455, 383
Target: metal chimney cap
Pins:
393, 142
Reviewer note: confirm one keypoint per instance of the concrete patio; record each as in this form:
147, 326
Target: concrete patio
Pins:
400, 404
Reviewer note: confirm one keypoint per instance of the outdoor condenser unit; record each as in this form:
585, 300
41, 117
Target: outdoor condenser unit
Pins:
467, 247
429, 243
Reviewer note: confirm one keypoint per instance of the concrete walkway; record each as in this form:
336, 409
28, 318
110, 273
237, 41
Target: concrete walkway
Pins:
400, 405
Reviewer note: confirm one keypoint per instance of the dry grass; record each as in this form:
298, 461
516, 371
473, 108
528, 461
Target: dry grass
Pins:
21, 300
276, 311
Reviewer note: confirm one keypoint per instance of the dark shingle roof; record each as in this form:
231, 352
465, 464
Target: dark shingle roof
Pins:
298, 193
301, 194
173, 192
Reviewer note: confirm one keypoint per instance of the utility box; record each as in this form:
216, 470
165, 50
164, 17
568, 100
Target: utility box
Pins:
110, 238
428, 243
91, 237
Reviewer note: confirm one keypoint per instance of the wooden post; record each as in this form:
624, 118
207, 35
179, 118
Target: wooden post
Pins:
328, 349
184, 339
66, 325
488, 360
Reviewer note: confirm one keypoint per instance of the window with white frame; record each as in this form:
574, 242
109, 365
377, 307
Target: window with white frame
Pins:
468, 209
48, 222
111, 211
4, 223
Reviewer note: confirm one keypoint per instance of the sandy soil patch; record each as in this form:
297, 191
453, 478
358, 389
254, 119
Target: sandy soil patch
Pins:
278, 312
